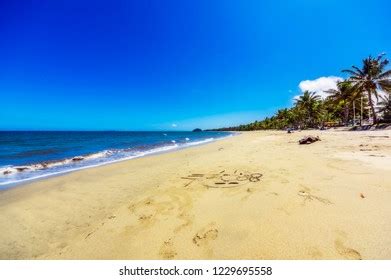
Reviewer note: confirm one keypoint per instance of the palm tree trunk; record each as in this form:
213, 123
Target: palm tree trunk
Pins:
372, 107
361, 111
346, 114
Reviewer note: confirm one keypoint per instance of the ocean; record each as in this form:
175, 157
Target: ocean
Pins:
29, 155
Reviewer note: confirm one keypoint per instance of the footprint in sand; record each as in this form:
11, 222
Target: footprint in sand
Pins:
175, 205
346, 252
144, 217
206, 235
273, 193
306, 194
187, 220
167, 250
315, 253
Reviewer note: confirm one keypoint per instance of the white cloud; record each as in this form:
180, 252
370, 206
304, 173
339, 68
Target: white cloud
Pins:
320, 85
174, 125
296, 97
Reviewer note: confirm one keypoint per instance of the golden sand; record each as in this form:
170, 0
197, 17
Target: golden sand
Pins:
258, 195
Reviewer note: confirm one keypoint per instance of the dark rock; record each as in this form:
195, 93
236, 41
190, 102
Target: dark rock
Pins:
21, 168
77, 158
309, 139
197, 130
7, 172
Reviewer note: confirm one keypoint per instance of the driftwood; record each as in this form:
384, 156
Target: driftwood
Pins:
309, 139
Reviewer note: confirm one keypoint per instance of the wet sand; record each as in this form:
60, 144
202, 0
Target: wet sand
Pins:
258, 195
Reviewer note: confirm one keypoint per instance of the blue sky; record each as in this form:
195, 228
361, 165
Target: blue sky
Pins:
146, 65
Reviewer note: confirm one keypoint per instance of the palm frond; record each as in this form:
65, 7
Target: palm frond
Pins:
385, 85
331, 91
385, 75
356, 90
351, 72
358, 70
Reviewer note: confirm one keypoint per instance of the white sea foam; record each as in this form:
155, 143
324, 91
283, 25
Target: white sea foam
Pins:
199, 142
9, 170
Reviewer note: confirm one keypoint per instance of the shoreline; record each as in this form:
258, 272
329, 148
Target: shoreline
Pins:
152, 152
259, 195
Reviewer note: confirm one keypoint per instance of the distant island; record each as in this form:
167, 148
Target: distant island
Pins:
197, 130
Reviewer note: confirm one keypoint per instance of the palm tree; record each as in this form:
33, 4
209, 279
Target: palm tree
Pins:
309, 103
385, 106
344, 97
370, 78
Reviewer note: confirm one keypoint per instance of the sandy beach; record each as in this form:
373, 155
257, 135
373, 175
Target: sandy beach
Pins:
258, 195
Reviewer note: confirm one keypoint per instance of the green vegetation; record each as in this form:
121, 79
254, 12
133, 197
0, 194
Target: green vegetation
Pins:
385, 107
350, 103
